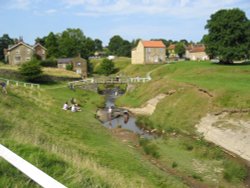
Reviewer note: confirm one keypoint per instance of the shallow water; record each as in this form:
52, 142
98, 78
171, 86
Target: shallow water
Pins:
119, 121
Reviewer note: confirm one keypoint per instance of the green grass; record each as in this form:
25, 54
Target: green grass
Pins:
74, 148
120, 63
179, 113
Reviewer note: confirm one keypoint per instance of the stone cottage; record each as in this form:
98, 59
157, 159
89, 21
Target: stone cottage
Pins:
149, 52
196, 52
79, 65
21, 52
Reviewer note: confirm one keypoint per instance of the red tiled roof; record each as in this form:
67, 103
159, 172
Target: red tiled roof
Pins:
153, 44
196, 48
171, 47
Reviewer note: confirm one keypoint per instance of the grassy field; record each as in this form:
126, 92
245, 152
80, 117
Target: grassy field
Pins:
226, 87
74, 148
77, 150
120, 63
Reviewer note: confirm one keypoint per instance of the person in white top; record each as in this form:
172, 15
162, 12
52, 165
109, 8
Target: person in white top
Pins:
65, 106
73, 108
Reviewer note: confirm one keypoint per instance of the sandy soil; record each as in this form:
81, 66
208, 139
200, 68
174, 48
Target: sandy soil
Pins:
149, 107
230, 133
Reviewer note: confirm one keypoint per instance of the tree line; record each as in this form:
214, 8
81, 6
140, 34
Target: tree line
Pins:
73, 42
228, 39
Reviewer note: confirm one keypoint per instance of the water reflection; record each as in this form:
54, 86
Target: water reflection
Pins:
121, 117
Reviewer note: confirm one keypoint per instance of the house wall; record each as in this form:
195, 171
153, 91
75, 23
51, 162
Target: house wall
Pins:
80, 66
61, 66
197, 56
20, 55
40, 52
155, 55
137, 55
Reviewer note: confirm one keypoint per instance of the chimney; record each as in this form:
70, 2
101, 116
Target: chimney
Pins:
20, 39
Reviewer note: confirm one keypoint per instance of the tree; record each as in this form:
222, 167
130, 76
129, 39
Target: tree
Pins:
98, 45
119, 47
228, 35
71, 42
88, 48
51, 43
106, 67
40, 40
5, 41
31, 70
180, 49
115, 43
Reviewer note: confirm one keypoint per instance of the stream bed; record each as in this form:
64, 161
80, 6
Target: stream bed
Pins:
117, 119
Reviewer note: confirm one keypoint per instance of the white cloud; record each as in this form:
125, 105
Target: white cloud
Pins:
179, 8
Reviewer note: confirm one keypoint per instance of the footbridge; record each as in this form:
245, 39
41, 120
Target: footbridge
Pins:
109, 80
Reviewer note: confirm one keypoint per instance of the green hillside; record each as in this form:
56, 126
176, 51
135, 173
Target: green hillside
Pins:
200, 88
74, 148
78, 151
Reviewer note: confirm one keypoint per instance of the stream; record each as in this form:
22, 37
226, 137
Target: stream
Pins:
117, 118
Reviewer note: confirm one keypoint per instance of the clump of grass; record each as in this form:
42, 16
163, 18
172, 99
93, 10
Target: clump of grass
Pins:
189, 147
174, 164
234, 172
149, 148
144, 122
198, 177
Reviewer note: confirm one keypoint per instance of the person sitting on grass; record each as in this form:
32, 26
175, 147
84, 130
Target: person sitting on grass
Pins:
65, 106
4, 90
75, 108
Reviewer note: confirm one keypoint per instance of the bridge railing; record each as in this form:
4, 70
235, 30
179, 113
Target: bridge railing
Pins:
18, 83
110, 80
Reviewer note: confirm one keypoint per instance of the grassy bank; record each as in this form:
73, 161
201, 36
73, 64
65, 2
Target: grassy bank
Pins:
74, 148
201, 88
120, 63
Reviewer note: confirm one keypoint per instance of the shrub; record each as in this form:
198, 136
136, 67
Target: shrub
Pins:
31, 70
49, 63
198, 177
234, 172
69, 67
149, 148
174, 164
107, 67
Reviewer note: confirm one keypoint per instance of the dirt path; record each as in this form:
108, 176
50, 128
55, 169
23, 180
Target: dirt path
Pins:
149, 107
230, 133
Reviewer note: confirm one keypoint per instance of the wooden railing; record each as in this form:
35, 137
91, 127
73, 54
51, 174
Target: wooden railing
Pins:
110, 80
18, 83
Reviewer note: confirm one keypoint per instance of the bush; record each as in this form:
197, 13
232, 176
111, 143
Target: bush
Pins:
234, 172
174, 164
69, 67
149, 148
48, 63
31, 70
107, 67
198, 177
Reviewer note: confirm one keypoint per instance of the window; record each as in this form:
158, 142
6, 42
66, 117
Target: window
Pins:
148, 50
17, 58
78, 64
27, 58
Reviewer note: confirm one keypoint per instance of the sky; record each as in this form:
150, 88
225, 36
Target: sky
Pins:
102, 19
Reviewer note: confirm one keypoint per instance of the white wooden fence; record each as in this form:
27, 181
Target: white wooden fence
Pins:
28, 169
17, 83
110, 80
